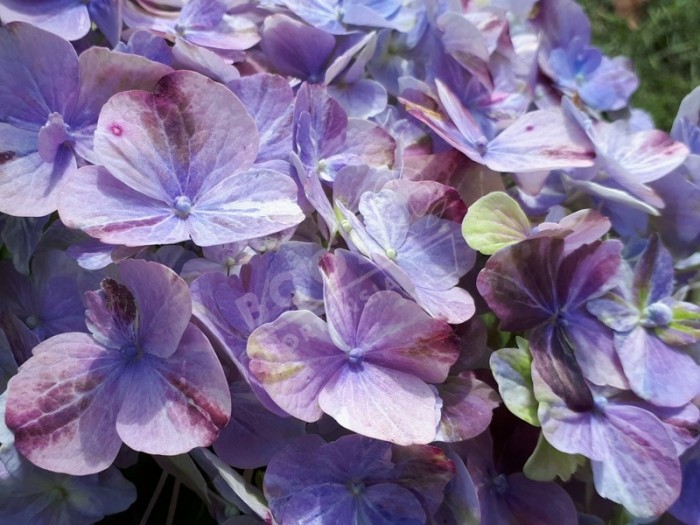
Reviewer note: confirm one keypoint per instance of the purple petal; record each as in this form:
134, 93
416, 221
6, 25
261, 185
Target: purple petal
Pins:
653, 274
349, 281
253, 435
268, 99
382, 403
104, 73
296, 49
554, 359
587, 272
293, 358
539, 140
386, 218
134, 219
687, 506
175, 404
184, 139
594, 348
29, 186
435, 255
467, 404
517, 282
40, 66
164, 304
63, 405
362, 99
244, 206
107, 15
640, 468
524, 503
664, 375
66, 18
396, 333
454, 306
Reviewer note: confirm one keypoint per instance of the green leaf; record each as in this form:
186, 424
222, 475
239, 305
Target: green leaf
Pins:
494, 222
547, 463
511, 368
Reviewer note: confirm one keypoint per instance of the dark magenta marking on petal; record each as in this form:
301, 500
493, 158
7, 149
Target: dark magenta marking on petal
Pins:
119, 300
529, 127
116, 129
7, 156
200, 407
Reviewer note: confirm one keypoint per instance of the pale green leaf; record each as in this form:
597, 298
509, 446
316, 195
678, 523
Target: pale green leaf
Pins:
511, 368
547, 463
493, 222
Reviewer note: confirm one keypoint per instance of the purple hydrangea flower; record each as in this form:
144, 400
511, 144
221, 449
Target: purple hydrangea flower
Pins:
355, 479
178, 165
369, 366
49, 103
652, 329
146, 377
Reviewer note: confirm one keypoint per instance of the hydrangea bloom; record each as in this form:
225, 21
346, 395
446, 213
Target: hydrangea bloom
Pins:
49, 103
351, 368
146, 376
172, 172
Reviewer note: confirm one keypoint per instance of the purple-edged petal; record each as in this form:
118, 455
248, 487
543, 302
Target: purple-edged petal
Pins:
640, 467
296, 49
66, 18
182, 140
63, 404
594, 348
253, 435
244, 206
653, 274
396, 333
349, 281
176, 404
164, 303
29, 186
454, 305
643, 157
539, 140
94, 201
104, 73
293, 358
659, 373
42, 67
269, 99
467, 404
382, 403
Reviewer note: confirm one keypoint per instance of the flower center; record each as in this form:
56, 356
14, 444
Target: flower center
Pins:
355, 356
183, 206
500, 484
657, 314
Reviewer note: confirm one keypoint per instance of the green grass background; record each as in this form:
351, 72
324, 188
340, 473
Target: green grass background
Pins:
665, 50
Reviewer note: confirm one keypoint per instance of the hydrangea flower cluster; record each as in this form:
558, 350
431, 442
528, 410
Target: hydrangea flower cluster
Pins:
343, 262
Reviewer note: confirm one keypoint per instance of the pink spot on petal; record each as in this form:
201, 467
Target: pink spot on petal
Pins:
116, 130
